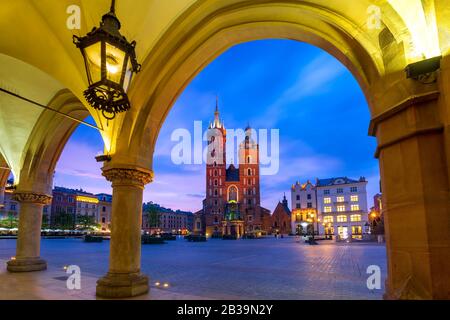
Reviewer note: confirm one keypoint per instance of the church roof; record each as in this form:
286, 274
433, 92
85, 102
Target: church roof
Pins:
281, 208
337, 181
232, 173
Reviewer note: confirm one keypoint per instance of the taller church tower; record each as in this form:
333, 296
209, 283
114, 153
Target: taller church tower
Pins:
215, 173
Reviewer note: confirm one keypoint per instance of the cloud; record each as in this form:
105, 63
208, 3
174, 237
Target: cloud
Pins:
311, 81
196, 195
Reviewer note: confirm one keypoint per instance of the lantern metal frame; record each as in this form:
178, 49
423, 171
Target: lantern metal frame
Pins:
106, 95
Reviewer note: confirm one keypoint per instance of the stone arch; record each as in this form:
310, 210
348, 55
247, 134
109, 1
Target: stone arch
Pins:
47, 141
205, 31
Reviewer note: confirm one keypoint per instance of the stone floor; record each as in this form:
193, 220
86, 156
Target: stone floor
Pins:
244, 269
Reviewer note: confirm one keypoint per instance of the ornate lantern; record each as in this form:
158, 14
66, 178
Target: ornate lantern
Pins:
110, 62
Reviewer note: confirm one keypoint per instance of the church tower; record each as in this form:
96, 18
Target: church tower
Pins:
249, 178
215, 174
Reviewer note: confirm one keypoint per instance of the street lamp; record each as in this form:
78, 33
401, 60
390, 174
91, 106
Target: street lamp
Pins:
304, 225
110, 62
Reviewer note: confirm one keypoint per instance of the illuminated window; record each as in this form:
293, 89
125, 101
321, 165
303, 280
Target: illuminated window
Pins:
328, 219
327, 209
340, 199
354, 198
355, 207
340, 208
355, 217
341, 218
326, 200
356, 230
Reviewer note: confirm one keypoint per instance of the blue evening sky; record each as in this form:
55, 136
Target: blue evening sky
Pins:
313, 100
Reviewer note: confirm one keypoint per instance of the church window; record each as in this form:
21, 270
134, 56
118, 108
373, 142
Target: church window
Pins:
215, 182
297, 197
215, 192
249, 171
232, 194
215, 173
249, 201
249, 159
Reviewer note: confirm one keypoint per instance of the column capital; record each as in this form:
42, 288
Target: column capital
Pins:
128, 175
32, 197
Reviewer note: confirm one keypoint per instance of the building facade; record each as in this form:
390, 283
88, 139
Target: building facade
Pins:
335, 207
281, 218
232, 193
104, 211
166, 220
74, 203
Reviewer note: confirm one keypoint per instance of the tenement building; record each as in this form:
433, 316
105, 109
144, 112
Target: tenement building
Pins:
232, 203
156, 218
335, 207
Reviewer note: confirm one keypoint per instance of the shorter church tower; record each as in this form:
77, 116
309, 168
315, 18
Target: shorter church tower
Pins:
249, 178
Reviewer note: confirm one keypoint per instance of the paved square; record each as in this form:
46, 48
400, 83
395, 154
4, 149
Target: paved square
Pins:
245, 269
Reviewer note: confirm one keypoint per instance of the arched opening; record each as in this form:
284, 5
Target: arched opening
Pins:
349, 125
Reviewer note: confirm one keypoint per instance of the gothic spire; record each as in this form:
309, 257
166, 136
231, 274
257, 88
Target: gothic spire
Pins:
216, 123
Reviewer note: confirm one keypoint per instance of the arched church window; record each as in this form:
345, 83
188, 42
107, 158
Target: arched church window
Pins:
215, 173
215, 192
232, 194
249, 171
249, 159
215, 182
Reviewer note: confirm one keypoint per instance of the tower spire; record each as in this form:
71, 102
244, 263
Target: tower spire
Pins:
217, 104
217, 123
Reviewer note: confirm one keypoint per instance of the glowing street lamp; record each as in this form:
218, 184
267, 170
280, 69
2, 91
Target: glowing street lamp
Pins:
110, 62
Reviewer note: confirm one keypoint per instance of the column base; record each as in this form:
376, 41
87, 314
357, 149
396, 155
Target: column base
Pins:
26, 265
119, 285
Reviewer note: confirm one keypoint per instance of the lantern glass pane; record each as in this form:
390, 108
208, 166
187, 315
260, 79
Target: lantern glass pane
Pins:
94, 62
114, 63
128, 76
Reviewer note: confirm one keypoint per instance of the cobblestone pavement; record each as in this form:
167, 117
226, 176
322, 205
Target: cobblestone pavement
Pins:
245, 269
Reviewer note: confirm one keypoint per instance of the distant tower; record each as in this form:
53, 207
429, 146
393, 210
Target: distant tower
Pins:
215, 172
249, 177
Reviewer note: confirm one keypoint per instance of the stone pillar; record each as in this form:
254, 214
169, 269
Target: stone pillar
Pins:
124, 278
29, 237
416, 199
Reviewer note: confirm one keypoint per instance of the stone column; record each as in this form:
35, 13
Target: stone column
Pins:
416, 199
124, 278
29, 237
